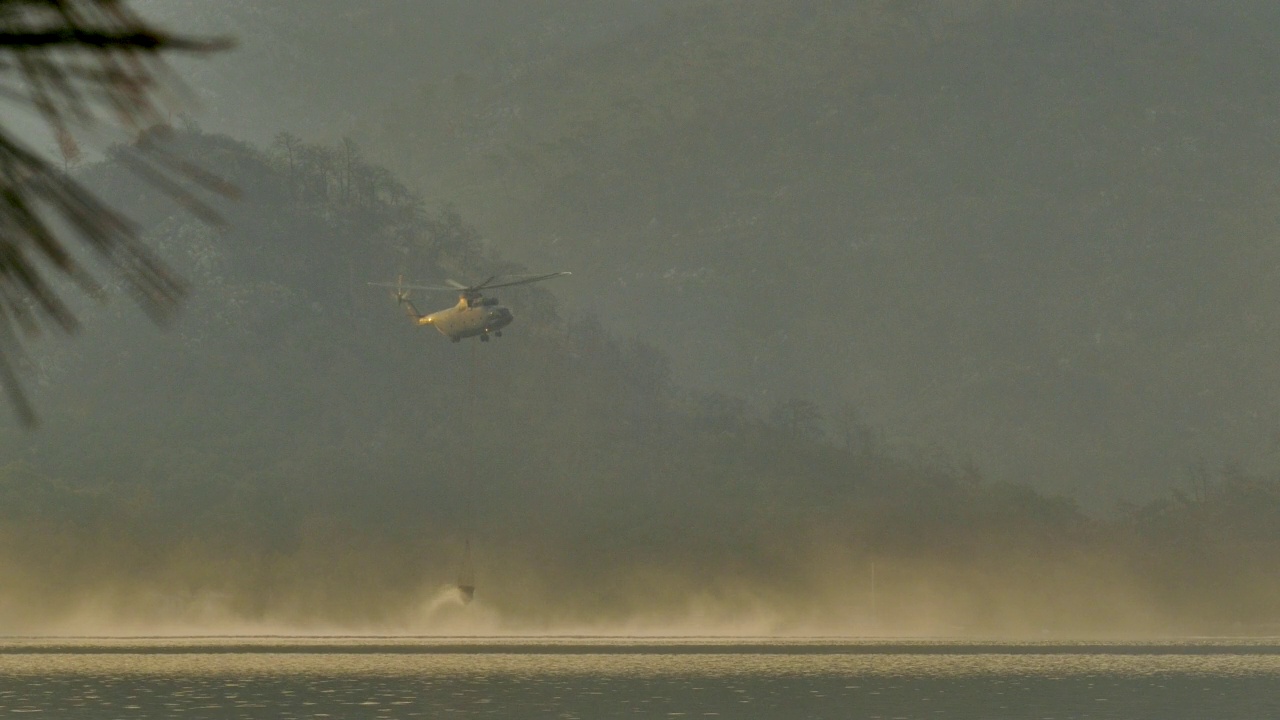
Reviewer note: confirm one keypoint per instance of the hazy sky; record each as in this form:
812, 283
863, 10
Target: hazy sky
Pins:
320, 71
854, 285
975, 221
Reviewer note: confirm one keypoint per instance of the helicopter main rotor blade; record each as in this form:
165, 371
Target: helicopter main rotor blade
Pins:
482, 285
455, 286
408, 286
524, 281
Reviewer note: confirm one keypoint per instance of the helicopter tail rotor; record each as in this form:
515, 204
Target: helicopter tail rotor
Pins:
400, 293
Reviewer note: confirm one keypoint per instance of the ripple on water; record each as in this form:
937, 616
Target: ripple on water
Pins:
378, 679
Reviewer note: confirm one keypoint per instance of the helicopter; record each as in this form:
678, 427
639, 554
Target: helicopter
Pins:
474, 315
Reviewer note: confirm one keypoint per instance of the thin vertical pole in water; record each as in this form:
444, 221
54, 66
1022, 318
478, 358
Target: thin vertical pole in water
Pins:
473, 441
466, 572
874, 619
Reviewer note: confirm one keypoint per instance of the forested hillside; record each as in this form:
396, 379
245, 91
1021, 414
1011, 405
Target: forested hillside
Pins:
294, 453
1041, 234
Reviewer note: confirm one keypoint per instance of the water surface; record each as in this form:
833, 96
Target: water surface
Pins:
338, 677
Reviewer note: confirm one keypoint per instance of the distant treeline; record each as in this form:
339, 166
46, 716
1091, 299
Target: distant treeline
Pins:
293, 450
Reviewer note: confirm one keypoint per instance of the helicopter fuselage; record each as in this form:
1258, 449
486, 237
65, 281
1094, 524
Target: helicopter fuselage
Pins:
466, 320
474, 315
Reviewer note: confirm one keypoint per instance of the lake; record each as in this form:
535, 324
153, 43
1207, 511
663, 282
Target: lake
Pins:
383, 677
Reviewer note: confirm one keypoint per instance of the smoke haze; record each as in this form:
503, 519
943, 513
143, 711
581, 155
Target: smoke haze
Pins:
885, 318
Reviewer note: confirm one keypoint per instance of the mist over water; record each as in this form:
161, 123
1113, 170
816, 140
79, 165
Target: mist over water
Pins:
447, 597
440, 611
975, 339
450, 612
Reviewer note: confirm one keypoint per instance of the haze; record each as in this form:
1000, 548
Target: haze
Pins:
885, 317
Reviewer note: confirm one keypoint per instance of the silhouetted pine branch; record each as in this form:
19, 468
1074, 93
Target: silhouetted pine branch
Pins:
83, 62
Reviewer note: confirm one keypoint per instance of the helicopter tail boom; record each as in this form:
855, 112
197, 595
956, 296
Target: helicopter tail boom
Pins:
413, 312
402, 297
